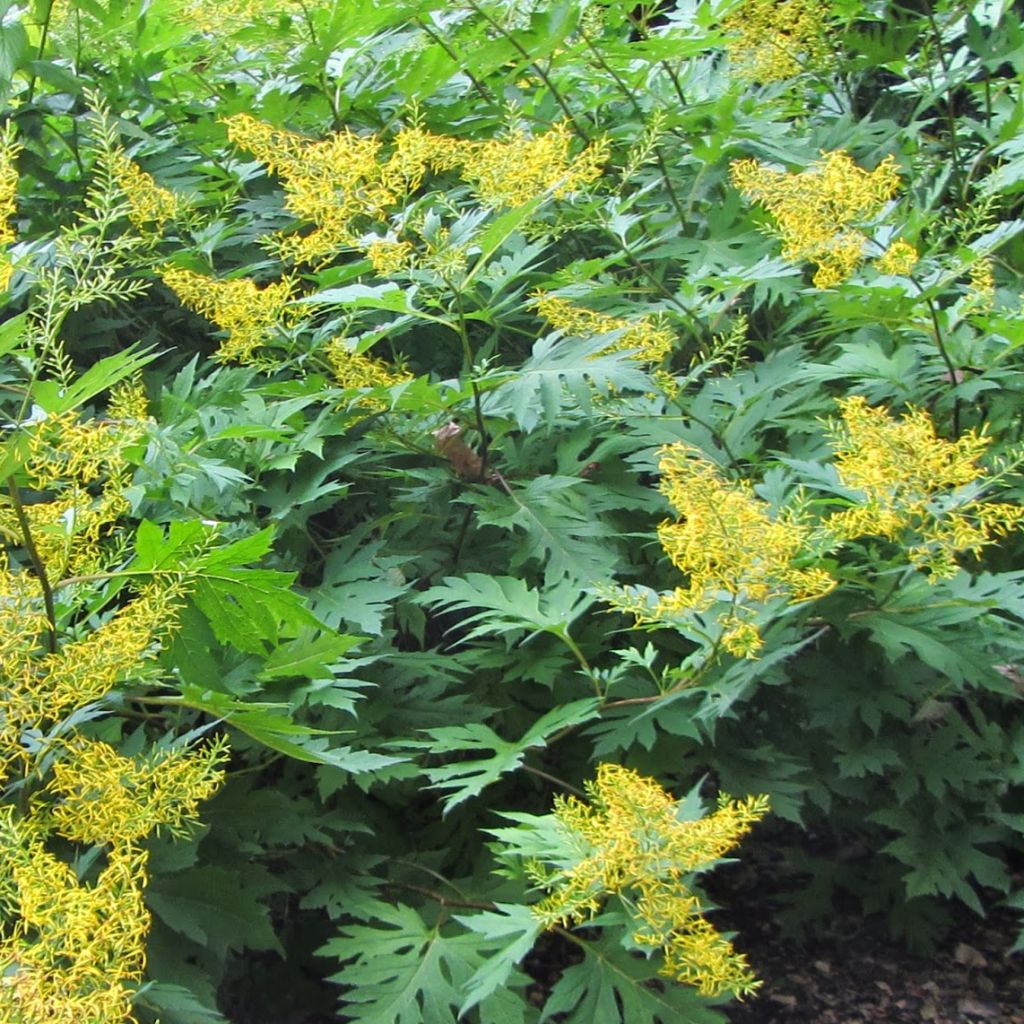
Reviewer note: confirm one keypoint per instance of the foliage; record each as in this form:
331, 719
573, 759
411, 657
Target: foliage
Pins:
415, 415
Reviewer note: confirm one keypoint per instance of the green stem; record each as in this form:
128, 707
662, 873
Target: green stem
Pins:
37, 564
43, 38
538, 70
485, 94
954, 148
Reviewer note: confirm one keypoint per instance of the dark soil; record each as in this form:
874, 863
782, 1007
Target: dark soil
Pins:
855, 973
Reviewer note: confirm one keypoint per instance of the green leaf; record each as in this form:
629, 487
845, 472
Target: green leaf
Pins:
466, 779
13, 49
611, 986
217, 908
101, 376
176, 1004
309, 656
511, 929
11, 333
507, 604
402, 971
561, 371
555, 521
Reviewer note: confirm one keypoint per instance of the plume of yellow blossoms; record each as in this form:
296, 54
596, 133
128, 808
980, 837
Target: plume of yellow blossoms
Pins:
220, 17
352, 369
907, 474
651, 340
815, 210
915, 488
981, 287
75, 951
773, 40
249, 314
731, 547
106, 797
900, 258
148, 202
633, 844
83, 464
9, 151
328, 183
72, 949
345, 183
513, 170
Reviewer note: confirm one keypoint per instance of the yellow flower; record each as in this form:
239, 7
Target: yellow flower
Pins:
981, 286
106, 797
633, 844
516, 169
220, 17
650, 340
387, 256
907, 474
148, 202
44, 690
75, 951
776, 39
730, 546
816, 209
353, 369
249, 314
900, 258
414, 152
328, 183
9, 151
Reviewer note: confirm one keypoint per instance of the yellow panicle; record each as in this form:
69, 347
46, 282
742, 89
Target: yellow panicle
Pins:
633, 844
249, 314
773, 40
900, 258
148, 202
518, 168
650, 340
903, 468
815, 211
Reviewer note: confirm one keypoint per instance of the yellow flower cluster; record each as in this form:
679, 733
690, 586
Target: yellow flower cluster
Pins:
329, 183
731, 547
516, 169
634, 845
106, 797
148, 202
345, 182
353, 369
916, 488
75, 951
815, 211
650, 340
9, 150
220, 17
84, 463
981, 286
387, 257
906, 474
776, 39
40, 691
249, 314
900, 258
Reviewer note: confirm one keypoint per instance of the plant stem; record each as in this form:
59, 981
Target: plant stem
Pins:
535, 66
37, 564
